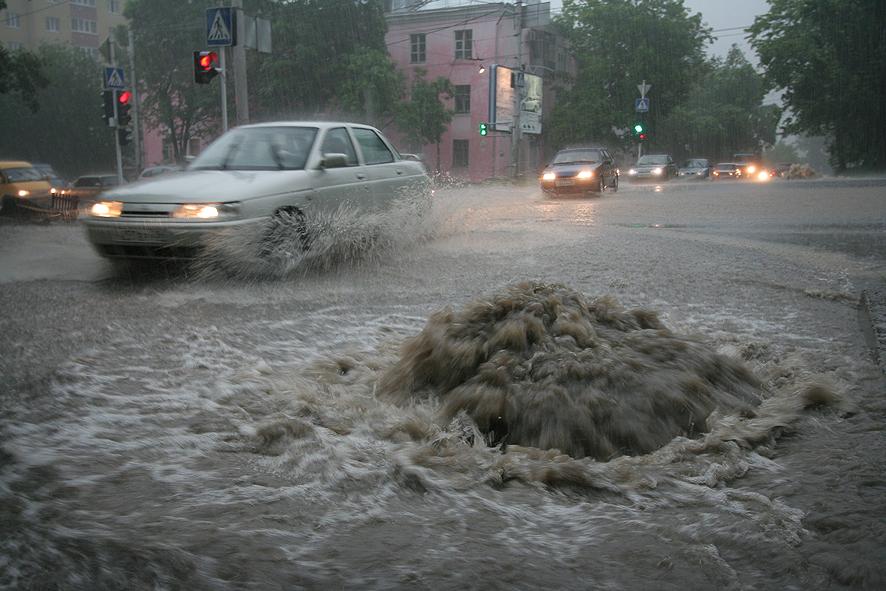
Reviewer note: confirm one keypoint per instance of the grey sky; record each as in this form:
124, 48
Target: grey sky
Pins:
727, 14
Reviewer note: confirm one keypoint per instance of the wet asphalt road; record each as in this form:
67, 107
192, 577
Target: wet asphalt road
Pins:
772, 273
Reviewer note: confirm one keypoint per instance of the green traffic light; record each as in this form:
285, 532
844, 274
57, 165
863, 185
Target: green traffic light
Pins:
638, 128
484, 129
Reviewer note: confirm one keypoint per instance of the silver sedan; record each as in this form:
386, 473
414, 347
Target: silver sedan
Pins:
247, 177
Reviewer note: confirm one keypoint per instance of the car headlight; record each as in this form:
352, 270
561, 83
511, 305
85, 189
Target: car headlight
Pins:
763, 176
584, 175
207, 211
632, 171
23, 193
548, 176
53, 190
107, 209
656, 170
752, 169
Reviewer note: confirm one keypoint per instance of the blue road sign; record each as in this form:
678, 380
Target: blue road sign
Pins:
641, 105
114, 79
221, 26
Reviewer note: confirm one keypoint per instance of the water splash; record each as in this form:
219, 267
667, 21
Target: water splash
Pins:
542, 366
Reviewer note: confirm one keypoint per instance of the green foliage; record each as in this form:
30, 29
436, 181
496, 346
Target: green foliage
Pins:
618, 44
21, 72
424, 118
781, 152
166, 32
329, 56
723, 113
67, 131
829, 56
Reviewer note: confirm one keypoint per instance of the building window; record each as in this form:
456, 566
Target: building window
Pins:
417, 44
82, 25
89, 51
463, 43
459, 153
52, 24
12, 20
114, 6
462, 98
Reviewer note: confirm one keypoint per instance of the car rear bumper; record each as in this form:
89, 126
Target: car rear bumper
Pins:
159, 240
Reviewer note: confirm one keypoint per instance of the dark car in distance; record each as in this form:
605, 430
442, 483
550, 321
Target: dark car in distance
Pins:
579, 171
728, 170
655, 167
695, 168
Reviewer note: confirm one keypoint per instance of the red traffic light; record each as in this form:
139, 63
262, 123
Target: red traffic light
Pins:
205, 66
207, 60
643, 136
124, 97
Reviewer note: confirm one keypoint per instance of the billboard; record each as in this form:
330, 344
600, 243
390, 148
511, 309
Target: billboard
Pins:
505, 85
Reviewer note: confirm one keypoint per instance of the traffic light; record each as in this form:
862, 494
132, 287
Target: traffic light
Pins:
124, 135
124, 104
639, 129
205, 66
484, 129
108, 106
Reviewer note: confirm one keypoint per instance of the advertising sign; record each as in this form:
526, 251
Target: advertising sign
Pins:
506, 85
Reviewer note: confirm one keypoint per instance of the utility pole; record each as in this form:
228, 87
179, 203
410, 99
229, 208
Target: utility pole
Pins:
241, 93
516, 134
136, 127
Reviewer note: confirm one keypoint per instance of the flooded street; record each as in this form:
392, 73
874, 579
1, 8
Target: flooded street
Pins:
667, 387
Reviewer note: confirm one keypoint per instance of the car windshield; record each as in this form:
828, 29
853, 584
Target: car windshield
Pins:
258, 148
695, 163
726, 166
577, 156
88, 181
23, 174
653, 159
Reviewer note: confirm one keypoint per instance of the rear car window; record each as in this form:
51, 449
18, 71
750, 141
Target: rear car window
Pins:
374, 149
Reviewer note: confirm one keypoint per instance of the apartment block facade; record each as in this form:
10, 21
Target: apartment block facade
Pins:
461, 40
85, 24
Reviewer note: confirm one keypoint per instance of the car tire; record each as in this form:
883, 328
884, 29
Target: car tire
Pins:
614, 186
277, 239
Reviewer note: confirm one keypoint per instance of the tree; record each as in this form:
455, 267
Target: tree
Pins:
21, 72
166, 32
724, 112
618, 44
68, 130
423, 118
829, 57
329, 56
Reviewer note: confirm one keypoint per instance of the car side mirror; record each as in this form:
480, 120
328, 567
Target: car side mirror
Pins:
334, 160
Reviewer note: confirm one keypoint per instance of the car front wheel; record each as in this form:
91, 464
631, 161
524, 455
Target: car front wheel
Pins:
614, 185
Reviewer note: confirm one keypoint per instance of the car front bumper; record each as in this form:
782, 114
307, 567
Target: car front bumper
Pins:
153, 239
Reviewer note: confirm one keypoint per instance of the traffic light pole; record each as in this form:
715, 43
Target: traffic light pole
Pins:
224, 87
116, 125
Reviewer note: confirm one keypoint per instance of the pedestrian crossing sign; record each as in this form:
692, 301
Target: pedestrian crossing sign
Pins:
114, 79
221, 26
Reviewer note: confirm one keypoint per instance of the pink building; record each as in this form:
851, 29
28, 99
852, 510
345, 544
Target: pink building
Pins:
461, 40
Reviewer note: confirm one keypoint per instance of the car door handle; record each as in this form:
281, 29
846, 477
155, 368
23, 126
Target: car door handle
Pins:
360, 177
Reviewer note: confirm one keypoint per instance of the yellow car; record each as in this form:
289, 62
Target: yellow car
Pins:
21, 183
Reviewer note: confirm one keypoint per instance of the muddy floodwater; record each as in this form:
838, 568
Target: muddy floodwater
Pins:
660, 388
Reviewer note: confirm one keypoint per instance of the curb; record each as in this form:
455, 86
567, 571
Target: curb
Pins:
872, 317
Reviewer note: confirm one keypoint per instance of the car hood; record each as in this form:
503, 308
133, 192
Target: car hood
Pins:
692, 169
572, 168
199, 186
647, 167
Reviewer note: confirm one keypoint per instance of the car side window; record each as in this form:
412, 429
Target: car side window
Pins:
374, 149
337, 141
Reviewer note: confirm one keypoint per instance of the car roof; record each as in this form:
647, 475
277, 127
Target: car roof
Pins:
15, 164
320, 124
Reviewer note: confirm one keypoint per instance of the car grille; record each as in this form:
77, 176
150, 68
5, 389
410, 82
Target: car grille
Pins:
148, 210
